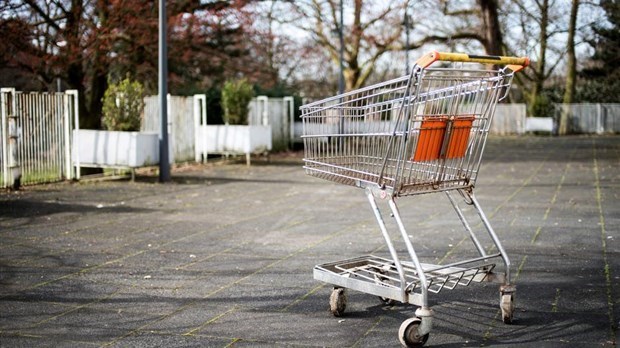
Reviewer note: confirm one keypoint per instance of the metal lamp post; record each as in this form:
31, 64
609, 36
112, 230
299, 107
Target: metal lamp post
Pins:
164, 163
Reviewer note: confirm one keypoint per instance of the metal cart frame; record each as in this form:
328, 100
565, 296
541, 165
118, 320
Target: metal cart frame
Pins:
421, 133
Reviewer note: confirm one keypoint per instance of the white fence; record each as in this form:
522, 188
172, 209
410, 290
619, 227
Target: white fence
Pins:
590, 118
511, 119
35, 138
585, 118
187, 118
35, 129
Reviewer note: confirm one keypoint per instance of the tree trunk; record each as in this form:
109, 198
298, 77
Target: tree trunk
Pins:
571, 68
537, 100
493, 43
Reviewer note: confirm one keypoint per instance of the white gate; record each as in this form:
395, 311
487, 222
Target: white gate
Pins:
35, 136
184, 114
277, 113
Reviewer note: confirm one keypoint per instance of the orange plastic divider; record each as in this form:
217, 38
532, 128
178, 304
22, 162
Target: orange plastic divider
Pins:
432, 133
461, 128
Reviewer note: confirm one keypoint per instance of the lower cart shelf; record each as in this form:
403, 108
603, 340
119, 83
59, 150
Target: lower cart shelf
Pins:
379, 276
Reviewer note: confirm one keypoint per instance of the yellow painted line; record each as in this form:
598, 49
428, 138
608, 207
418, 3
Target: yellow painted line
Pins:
524, 184
304, 296
74, 309
51, 253
232, 344
211, 256
521, 265
212, 320
554, 305
139, 252
376, 323
495, 211
231, 284
607, 267
492, 323
558, 188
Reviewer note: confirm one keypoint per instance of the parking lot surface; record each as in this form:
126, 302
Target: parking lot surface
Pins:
223, 255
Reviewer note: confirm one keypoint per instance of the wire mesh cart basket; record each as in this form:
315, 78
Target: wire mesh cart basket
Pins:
421, 133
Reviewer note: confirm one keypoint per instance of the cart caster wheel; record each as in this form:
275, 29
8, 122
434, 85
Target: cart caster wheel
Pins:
387, 301
338, 302
408, 333
508, 306
383, 281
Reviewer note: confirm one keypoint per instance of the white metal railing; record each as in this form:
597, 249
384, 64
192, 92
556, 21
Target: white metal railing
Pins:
36, 136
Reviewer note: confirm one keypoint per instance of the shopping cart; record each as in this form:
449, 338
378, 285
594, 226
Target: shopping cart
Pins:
421, 133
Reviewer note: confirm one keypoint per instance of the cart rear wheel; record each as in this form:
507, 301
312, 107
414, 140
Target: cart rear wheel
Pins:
408, 333
338, 302
508, 306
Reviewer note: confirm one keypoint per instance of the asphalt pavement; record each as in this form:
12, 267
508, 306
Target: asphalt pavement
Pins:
223, 255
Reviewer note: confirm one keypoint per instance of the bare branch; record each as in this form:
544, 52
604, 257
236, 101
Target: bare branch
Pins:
48, 20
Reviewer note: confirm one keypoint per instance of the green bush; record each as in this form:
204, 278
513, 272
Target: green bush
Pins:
236, 95
122, 106
542, 106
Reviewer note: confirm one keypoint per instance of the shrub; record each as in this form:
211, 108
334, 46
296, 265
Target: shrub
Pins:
122, 106
236, 95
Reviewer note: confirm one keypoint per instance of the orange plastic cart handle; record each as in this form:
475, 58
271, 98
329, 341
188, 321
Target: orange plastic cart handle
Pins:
514, 63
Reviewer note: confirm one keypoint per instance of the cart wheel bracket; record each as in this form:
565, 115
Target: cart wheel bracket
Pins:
338, 301
507, 302
381, 192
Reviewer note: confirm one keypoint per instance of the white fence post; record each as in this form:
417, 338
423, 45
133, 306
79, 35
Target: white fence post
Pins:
13, 160
10, 166
200, 124
599, 119
262, 104
290, 101
72, 168
4, 92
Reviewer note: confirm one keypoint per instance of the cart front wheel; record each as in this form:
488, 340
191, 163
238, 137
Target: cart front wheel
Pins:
408, 333
338, 302
507, 305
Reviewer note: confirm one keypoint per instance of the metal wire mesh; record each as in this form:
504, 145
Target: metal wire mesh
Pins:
414, 134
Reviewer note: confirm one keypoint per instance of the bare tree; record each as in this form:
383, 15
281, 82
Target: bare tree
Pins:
540, 73
371, 30
275, 52
449, 21
537, 28
85, 42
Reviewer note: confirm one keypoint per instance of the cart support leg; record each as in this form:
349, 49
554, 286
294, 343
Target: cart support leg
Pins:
388, 241
459, 212
412, 253
494, 237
